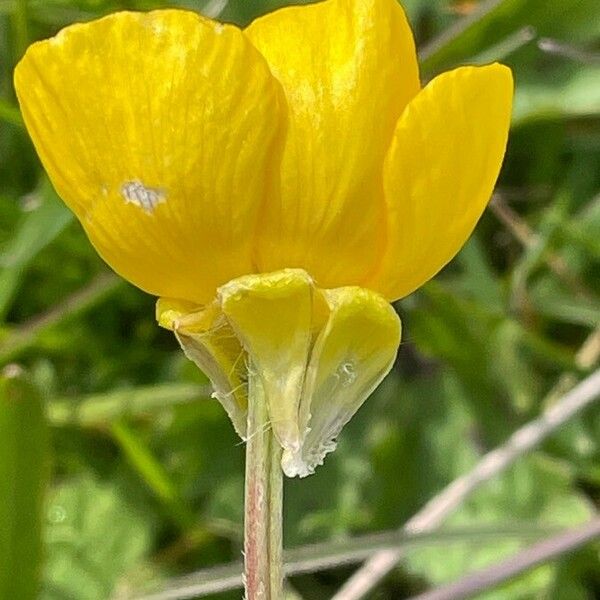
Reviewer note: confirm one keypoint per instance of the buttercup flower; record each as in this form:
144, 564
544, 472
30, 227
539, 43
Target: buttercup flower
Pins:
276, 187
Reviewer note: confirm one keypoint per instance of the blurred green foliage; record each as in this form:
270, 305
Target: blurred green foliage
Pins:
147, 474
23, 462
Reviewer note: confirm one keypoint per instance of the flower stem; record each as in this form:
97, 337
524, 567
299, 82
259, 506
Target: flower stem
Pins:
263, 569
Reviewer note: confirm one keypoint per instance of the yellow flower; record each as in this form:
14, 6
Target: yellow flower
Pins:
275, 187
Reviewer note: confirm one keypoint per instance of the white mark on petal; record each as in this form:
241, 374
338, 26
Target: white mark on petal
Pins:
157, 27
347, 373
57, 514
147, 198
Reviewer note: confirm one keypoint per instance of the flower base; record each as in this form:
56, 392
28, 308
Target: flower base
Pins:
318, 354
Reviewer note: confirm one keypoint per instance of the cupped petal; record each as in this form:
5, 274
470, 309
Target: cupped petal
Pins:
348, 68
161, 131
440, 172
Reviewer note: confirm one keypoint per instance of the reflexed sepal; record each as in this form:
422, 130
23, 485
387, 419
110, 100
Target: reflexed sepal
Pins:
207, 340
272, 315
352, 354
318, 354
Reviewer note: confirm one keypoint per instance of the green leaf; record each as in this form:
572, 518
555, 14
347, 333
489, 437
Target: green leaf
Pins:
536, 490
96, 534
23, 476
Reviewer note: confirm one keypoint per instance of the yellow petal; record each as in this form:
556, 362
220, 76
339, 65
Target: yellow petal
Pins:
160, 130
272, 316
352, 354
348, 68
440, 172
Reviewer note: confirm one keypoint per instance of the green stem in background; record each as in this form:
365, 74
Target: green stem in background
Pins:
20, 22
24, 473
263, 569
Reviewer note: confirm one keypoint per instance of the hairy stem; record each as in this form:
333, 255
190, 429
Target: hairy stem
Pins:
263, 569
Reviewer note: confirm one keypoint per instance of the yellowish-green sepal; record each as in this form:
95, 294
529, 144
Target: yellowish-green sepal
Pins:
272, 315
207, 339
352, 354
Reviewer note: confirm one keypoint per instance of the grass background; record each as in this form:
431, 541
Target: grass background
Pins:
140, 473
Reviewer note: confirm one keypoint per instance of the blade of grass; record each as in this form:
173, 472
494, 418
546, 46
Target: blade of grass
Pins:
588, 355
495, 20
26, 335
20, 23
37, 229
434, 51
23, 477
10, 114
537, 245
100, 409
154, 475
